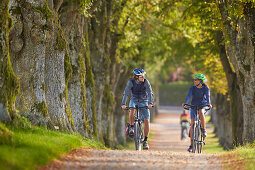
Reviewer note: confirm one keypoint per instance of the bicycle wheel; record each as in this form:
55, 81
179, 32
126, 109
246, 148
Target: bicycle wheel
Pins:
199, 142
194, 143
137, 136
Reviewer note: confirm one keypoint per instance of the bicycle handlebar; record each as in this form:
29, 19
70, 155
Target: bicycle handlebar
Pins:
138, 107
187, 107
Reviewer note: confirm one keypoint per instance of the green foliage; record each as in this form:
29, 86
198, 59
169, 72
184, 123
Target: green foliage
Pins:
36, 147
173, 93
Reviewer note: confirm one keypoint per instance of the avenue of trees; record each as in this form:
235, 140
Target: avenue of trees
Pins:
64, 63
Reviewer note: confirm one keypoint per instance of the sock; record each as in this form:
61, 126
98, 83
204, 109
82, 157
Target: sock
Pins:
145, 138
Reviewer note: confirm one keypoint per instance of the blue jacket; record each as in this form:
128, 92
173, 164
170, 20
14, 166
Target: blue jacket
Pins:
200, 96
140, 90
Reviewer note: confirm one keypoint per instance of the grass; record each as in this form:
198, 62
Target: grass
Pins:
211, 141
241, 157
37, 146
246, 154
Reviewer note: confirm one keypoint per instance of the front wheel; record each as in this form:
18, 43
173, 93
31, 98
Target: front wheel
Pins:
194, 142
137, 137
201, 142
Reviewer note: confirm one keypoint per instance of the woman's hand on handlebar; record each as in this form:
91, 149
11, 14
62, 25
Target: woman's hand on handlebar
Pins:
150, 106
210, 106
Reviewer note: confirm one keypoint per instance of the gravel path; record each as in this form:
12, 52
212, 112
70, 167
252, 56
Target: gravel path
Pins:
167, 151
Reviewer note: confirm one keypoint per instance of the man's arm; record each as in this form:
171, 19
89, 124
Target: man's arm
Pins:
149, 91
126, 92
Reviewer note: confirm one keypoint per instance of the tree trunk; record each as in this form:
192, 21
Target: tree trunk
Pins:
236, 108
241, 53
9, 83
55, 77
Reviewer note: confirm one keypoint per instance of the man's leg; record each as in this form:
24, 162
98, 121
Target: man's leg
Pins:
131, 122
146, 133
131, 116
146, 127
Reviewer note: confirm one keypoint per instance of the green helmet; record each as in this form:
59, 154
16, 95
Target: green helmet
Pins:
200, 77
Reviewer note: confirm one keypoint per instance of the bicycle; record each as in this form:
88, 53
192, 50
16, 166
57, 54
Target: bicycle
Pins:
138, 127
197, 139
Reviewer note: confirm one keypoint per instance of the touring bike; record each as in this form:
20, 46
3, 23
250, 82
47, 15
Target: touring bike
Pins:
138, 127
197, 139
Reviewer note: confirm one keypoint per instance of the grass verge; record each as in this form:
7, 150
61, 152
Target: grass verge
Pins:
36, 146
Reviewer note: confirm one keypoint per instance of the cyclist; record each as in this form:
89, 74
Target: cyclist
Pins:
185, 122
141, 95
200, 95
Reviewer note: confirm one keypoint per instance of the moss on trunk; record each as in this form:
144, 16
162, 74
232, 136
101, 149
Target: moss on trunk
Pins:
9, 81
90, 82
83, 93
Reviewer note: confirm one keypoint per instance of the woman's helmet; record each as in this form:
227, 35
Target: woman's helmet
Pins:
200, 77
139, 72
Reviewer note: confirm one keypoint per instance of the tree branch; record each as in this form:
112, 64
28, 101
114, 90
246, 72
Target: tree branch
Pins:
57, 4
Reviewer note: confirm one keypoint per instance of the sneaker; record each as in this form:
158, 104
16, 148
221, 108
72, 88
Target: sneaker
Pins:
145, 145
131, 131
204, 134
190, 148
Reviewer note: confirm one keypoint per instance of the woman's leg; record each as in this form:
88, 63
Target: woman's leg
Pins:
202, 118
191, 129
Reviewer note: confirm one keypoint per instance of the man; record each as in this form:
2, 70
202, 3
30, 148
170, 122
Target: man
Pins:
141, 95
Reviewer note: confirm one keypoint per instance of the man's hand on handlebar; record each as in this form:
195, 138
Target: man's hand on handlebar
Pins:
150, 106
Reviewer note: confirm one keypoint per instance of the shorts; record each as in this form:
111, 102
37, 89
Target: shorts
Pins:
193, 113
145, 113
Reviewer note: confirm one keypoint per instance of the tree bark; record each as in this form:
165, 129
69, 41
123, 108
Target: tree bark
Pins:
9, 83
241, 53
236, 108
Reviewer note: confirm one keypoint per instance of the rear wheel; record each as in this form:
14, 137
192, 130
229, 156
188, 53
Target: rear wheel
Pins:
137, 136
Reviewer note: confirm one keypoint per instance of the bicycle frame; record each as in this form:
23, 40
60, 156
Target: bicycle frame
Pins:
138, 129
197, 144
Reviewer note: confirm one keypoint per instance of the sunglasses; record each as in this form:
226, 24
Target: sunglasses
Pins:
141, 76
196, 79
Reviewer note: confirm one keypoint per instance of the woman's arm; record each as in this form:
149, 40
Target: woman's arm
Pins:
207, 95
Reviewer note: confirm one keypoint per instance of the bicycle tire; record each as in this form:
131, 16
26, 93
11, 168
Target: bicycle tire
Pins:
201, 142
199, 134
137, 136
194, 144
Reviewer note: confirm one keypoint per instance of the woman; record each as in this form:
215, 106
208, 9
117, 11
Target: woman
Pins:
200, 95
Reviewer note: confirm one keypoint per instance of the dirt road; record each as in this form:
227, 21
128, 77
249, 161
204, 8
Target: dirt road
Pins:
167, 151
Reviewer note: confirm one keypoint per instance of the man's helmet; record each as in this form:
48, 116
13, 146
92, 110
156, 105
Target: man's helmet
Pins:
139, 72
200, 77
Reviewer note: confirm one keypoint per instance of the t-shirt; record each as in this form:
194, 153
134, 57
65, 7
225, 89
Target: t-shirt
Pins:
200, 96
